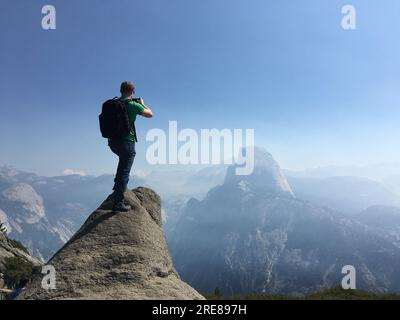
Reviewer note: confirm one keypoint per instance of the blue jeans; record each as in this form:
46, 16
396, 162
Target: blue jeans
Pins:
125, 150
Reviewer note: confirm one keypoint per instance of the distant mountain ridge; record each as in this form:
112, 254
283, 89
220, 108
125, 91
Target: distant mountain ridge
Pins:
349, 195
385, 219
251, 235
377, 172
66, 200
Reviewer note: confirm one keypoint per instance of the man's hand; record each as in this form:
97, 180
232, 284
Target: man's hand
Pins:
141, 101
147, 111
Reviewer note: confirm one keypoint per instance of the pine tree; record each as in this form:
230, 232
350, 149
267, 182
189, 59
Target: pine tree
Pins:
217, 292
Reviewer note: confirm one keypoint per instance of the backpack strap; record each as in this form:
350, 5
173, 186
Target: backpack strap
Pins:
134, 130
133, 123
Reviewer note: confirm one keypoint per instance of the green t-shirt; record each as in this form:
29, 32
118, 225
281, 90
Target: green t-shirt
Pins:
133, 109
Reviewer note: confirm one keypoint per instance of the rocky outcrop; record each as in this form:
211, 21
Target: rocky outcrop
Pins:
120, 255
9, 250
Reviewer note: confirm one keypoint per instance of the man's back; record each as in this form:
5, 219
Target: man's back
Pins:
133, 108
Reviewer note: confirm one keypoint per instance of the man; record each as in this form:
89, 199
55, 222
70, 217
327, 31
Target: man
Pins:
125, 148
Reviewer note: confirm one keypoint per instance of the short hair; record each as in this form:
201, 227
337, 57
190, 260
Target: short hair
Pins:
127, 87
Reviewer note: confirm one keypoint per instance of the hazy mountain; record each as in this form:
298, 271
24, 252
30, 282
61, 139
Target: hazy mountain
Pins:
346, 194
266, 176
393, 182
176, 187
376, 172
251, 235
26, 219
9, 174
380, 216
385, 219
199, 182
194, 182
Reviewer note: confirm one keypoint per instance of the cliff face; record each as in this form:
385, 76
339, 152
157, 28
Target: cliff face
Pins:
117, 256
9, 250
266, 176
252, 235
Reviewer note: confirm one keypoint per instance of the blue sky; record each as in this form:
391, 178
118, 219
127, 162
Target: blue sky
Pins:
315, 94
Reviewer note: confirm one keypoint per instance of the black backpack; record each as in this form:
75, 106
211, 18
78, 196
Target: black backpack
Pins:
114, 119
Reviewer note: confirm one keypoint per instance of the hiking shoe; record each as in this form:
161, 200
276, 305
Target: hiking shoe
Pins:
126, 202
121, 207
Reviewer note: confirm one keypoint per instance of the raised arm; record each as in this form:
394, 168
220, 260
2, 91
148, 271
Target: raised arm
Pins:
147, 113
